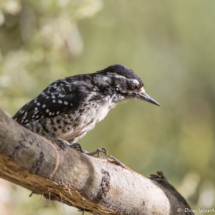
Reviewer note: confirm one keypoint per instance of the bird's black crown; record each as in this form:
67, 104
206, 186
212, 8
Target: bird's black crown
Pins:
121, 70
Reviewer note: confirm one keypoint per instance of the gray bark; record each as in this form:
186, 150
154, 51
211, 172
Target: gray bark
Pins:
97, 185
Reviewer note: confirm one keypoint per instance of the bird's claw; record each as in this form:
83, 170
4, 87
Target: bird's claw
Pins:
76, 146
111, 159
97, 152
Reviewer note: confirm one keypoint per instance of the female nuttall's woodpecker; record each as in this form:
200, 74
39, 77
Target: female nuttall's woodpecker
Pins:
69, 107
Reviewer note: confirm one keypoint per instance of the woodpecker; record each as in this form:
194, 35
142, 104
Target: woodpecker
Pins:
69, 107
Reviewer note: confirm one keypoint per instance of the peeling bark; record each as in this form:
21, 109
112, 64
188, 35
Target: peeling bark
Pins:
97, 185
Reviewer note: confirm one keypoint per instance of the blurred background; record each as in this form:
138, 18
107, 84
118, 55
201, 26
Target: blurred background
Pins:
169, 44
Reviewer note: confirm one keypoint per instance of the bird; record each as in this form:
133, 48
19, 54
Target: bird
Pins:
70, 107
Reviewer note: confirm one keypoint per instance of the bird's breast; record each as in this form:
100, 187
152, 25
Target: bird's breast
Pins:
85, 118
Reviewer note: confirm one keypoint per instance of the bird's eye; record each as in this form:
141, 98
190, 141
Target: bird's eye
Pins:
117, 89
135, 87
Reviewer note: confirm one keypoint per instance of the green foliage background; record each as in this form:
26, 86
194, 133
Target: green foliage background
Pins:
169, 44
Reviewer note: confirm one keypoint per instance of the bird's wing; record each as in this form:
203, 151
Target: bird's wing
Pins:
60, 97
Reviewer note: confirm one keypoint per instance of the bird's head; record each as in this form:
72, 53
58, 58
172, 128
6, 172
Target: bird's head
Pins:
123, 82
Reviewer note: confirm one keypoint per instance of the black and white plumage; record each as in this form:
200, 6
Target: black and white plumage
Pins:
70, 107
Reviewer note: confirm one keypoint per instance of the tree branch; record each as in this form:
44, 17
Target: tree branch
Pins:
48, 167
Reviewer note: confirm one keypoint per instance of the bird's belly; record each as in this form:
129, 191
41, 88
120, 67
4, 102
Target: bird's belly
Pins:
86, 122
79, 128
71, 127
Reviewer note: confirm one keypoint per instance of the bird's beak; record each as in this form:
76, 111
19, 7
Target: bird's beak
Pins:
146, 97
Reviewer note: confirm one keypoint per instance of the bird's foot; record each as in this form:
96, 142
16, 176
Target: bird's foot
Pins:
97, 152
110, 157
76, 146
